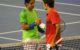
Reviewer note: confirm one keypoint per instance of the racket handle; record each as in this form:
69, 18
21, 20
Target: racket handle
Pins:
59, 40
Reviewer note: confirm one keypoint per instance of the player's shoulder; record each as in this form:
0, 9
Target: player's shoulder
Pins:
23, 10
54, 11
51, 12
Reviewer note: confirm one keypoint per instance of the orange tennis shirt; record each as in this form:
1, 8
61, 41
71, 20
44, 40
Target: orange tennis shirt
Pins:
52, 18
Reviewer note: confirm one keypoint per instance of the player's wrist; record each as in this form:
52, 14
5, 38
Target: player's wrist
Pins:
32, 25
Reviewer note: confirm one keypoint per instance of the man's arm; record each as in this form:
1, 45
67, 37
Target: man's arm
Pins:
32, 25
57, 28
24, 26
28, 26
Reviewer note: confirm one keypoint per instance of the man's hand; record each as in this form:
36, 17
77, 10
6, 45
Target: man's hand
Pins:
38, 21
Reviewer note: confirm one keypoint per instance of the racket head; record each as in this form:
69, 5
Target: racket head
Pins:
62, 26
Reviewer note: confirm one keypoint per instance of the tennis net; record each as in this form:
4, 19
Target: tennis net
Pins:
69, 43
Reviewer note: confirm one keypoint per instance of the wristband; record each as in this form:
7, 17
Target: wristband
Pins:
31, 26
40, 30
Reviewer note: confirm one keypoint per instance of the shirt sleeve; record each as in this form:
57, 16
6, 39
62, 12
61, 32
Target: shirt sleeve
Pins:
55, 18
37, 14
22, 17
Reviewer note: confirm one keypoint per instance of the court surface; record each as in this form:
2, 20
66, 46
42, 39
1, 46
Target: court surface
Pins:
10, 32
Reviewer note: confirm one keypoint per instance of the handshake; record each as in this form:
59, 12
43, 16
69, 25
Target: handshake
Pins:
38, 21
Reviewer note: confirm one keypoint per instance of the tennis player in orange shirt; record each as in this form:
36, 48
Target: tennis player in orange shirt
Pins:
52, 24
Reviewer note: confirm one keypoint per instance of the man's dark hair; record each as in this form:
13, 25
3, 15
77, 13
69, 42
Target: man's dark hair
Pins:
50, 3
26, 1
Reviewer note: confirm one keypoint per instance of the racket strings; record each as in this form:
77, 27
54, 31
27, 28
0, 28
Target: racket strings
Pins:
62, 26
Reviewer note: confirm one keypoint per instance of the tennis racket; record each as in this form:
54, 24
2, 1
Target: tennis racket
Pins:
62, 26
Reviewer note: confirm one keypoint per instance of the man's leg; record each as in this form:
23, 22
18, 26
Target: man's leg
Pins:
56, 47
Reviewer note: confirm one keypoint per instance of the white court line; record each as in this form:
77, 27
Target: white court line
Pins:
10, 32
67, 4
7, 5
62, 3
70, 23
69, 14
39, 9
10, 38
